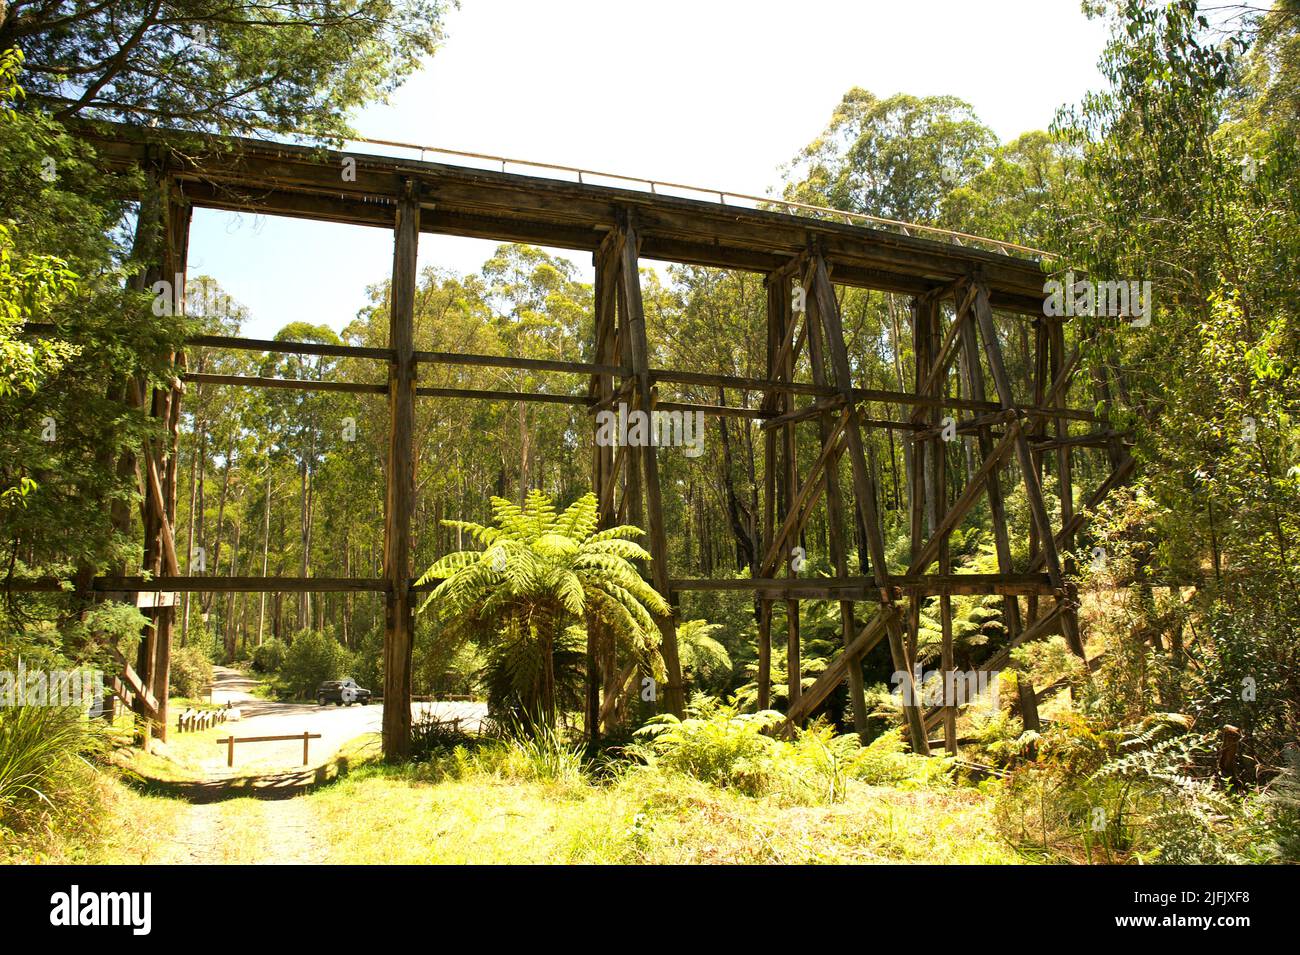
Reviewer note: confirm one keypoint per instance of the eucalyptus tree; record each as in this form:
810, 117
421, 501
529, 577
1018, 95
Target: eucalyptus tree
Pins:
1188, 180
219, 66
542, 311
896, 158
305, 426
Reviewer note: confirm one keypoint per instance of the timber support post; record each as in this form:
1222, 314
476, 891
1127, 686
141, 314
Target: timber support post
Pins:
639, 350
399, 615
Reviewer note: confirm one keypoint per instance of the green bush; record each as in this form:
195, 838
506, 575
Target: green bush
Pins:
191, 671
312, 659
718, 744
269, 657
1143, 793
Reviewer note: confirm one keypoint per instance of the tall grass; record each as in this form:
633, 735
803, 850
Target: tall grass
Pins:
515, 750
43, 753
544, 753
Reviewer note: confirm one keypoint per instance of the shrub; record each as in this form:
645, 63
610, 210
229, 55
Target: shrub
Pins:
716, 744
1145, 793
191, 671
269, 657
432, 737
719, 745
312, 659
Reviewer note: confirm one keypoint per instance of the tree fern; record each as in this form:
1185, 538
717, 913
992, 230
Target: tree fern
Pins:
540, 571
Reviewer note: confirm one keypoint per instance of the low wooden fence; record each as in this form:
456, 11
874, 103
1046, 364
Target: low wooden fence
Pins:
230, 742
192, 720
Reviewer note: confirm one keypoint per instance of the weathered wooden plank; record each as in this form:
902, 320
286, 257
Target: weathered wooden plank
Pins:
639, 353
399, 499
298, 180
291, 384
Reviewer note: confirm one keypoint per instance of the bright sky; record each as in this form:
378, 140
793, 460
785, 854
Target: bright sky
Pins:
708, 93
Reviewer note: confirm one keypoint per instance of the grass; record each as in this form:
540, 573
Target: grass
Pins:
114, 824
392, 816
476, 809
528, 802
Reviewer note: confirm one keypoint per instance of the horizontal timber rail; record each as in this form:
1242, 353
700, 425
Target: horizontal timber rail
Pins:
230, 741
118, 585
808, 588
290, 348
864, 588
285, 384
731, 411
702, 379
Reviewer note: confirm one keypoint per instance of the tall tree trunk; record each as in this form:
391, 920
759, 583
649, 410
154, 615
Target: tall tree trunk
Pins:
206, 599
266, 552
230, 599
742, 524
347, 598
304, 564
523, 453
189, 539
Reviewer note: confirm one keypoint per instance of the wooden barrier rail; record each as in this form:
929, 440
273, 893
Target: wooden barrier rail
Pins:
230, 741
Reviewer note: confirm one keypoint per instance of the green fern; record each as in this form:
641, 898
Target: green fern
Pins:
539, 572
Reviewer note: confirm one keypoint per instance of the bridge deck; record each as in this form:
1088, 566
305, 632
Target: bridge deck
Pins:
256, 176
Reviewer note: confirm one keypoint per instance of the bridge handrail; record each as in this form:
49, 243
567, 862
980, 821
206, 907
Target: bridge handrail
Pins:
907, 228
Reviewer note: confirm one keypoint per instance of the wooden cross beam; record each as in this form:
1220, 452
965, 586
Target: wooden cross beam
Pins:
827, 314
1033, 488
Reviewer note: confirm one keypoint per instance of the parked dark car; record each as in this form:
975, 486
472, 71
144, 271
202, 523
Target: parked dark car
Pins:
342, 693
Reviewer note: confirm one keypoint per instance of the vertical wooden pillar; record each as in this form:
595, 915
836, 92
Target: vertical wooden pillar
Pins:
399, 501
639, 350
918, 493
162, 231
771, 400
146, 250
788, 483
1065, 475
167, 404
974, 374
603, 465
1042, 380
835, 511
936, 499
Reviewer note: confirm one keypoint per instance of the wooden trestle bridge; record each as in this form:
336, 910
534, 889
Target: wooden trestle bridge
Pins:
960, 294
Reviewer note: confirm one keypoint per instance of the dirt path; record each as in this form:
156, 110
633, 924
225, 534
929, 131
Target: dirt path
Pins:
256, 813
247, 830
336, 726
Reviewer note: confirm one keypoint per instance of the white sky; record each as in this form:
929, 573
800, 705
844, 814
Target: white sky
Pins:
718, 94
